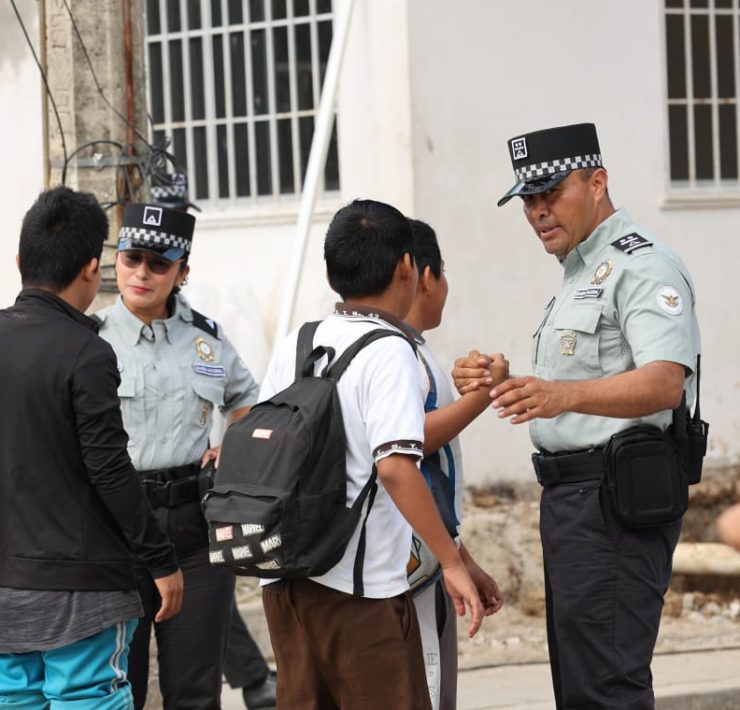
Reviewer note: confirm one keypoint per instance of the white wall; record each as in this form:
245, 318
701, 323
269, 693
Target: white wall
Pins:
484, 74
20, 125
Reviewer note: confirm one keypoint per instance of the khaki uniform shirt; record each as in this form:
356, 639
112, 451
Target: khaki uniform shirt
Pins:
619, 307
172, 375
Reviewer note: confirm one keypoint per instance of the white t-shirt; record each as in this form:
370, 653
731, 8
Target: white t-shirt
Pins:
382, 396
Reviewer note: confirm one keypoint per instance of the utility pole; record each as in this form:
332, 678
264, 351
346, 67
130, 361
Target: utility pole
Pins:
92, 54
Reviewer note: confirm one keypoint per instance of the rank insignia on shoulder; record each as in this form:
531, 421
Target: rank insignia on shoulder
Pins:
204, 350
602, 272
631, 242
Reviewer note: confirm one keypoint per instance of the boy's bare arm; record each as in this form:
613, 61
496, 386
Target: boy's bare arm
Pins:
443, 425
410, 492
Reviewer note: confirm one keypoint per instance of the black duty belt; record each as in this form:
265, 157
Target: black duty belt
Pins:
569, 466
170, 487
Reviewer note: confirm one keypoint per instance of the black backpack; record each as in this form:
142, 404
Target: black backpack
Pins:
278, 506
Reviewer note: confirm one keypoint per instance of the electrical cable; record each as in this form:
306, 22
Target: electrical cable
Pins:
95, 78
46, 86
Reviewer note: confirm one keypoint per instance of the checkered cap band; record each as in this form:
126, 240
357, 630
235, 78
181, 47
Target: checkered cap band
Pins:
165, 192
144, 237
539, 170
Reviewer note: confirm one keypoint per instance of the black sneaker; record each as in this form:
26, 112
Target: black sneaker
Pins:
262, 696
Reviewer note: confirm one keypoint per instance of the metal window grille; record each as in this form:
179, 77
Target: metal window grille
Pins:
234, 87
703, 78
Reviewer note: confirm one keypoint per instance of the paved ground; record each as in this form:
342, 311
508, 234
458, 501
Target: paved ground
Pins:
683, 681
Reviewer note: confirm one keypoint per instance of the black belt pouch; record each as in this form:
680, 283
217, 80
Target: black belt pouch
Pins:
646, 477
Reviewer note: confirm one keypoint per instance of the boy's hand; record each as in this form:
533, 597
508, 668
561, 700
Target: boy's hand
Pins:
463, 593
498, 369
170, 590
479, 370
488, 590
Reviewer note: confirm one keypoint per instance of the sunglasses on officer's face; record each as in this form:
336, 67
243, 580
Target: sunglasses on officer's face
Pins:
155, 264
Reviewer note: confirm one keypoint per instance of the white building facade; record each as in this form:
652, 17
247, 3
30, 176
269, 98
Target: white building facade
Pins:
429, 93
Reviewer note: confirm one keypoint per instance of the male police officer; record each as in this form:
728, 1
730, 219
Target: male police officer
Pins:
616, 348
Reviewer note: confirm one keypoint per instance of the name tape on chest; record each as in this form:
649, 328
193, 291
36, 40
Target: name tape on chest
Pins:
631, 242
588, 292
209, 370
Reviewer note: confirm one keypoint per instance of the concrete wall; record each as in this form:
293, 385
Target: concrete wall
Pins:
492, 70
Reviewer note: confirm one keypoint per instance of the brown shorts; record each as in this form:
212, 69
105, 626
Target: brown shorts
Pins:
335, 651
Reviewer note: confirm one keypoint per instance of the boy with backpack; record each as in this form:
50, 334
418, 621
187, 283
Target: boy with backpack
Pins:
349, 638
446, 416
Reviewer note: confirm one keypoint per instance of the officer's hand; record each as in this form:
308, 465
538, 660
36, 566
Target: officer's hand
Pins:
170, 590
527, 398
471, 372
212, 454
464, 594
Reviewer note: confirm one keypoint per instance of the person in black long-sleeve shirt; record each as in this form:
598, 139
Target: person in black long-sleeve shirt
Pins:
73, 514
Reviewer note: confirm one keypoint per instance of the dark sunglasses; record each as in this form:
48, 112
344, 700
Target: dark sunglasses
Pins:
155, 264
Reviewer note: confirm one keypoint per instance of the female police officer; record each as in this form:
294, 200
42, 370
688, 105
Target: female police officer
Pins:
175, 365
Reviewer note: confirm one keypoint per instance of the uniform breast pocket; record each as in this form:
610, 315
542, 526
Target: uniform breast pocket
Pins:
211, 389
130, 392
574, 343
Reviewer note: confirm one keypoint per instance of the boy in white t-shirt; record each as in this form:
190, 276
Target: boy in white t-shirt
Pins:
447, 415
333, 649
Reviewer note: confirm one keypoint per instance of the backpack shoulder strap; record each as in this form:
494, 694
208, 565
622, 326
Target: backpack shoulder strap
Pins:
304, 345
338, 368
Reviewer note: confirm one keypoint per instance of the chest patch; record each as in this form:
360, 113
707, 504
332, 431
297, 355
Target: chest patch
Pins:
602, 272
588, 292
669, 300
568, 342
204, 350
209, 370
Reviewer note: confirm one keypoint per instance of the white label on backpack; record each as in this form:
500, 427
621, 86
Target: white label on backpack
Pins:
270, 564
225, 533
262, 433
252, 529
271, 543
241, 553
216, 557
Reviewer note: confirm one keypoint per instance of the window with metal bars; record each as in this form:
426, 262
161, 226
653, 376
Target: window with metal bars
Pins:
703, 79
234, 88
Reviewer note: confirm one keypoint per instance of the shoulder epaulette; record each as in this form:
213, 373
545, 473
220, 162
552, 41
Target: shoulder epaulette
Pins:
205, 324
631, 242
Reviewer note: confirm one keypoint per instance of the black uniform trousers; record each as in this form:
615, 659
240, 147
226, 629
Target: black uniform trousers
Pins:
190, 645
244, 664
604, 586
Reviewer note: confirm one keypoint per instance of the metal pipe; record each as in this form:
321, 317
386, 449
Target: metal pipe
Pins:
44, 96
316, 160
694, 558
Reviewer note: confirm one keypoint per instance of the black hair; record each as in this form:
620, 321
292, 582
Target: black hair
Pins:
61, 232
364, 243
426, 248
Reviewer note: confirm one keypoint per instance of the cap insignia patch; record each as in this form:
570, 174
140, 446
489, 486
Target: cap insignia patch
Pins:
670, 300
153, 216
602, 272
519, 148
